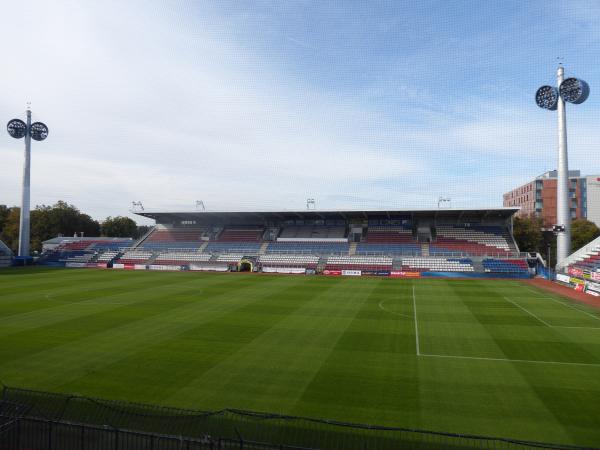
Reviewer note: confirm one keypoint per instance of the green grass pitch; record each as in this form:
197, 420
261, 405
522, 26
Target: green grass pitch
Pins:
487, 357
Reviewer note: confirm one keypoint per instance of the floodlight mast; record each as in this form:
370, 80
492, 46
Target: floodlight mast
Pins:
38, 131
563, 216
576, 91
24, 222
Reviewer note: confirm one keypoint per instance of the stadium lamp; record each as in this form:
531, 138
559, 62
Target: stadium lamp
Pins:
444, 200
137, 206
38, 132
570, 90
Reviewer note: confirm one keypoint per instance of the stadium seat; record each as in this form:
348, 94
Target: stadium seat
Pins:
437, 265
359, 263
472, 240
512, 266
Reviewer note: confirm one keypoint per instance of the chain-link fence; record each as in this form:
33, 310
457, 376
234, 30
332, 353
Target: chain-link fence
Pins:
99, 423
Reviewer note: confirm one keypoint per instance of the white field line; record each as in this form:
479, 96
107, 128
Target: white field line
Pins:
528, 312
83, 302
546, 323
416, 322
584, 328
575, 308
564, 304
481, 358
532, 290
391, 312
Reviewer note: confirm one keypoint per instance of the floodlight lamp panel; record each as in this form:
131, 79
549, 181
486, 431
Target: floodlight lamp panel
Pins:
574, 90
17, 128
39, 131
546, 97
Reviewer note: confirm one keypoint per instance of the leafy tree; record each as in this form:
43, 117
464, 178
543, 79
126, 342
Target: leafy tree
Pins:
528, 234
119, 226
10, 229
4, 212
50, 221
582, 233
142, 230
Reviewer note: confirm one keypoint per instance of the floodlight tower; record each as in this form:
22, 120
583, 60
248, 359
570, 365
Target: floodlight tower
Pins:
571, 90
38, 132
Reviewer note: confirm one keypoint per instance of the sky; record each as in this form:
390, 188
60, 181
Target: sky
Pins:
263, 104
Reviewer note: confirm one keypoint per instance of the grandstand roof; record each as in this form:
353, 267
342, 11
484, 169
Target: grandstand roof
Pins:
66, 239
459, 214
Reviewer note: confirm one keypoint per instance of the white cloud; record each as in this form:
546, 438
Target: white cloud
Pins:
131, 116
148, 102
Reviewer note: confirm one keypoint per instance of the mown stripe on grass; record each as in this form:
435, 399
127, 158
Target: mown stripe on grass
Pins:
271, 372
54, 367
79, 305
78, 323
181, 358
369, 371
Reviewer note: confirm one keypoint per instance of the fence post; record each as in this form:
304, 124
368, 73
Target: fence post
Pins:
19, 433
82, 437
116, 439
49, 435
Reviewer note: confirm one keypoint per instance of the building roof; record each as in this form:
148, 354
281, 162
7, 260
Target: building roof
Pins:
66, 239
209, 217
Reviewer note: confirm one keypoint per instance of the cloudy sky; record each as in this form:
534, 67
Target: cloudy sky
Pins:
262, 104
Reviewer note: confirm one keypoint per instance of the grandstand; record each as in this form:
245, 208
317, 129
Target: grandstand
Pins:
5, 255
82, 251
430, 242
581, 270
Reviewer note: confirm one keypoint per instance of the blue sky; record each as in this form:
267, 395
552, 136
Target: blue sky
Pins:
259, 105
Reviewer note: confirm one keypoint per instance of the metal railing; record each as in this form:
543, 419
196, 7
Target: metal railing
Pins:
78, 420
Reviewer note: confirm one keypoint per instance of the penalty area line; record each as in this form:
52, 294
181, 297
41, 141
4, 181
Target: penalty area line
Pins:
528, 361
392, 312
416, 322
593, 316
528, 312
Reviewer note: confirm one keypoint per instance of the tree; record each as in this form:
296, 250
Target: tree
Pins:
61, 218
582, 233
528, 234
10, 229
4, 212
142, 230
119, 226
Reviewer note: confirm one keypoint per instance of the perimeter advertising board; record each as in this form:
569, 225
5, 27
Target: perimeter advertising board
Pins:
335, 273
400, 274
163, 267
289, 270
200, 267
75, 264
351, 273
592, 288
562, 278
575, 272
377, 273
